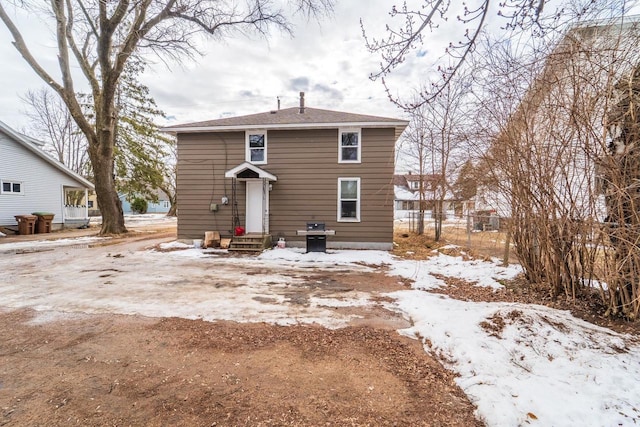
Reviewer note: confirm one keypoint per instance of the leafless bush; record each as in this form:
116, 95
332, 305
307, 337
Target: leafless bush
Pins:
553, 158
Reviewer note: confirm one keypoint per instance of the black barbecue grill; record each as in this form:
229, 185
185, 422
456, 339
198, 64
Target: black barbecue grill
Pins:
316, 236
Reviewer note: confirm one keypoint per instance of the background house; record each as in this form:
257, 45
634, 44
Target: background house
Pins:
407, 197
161, 206
271, 173
33, 181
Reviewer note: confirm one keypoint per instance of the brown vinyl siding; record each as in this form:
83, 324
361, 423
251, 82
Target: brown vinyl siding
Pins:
202, 162
306, 165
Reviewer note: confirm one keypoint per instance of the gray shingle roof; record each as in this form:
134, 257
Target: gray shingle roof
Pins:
290, 118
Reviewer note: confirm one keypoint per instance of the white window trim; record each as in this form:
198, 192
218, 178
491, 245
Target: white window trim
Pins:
350, 130
358, 200
247, 154
12, 181
415, 185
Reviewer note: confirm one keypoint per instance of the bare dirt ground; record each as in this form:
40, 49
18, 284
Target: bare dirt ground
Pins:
118, 370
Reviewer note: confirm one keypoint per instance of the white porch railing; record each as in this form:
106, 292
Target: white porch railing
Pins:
75, 212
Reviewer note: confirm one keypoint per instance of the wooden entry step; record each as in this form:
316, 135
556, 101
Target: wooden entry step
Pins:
250, 243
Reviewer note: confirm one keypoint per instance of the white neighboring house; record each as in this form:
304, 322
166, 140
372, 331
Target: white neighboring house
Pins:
407, 197
33, 181
489, 199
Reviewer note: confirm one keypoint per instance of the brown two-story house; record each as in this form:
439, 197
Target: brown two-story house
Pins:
271, 173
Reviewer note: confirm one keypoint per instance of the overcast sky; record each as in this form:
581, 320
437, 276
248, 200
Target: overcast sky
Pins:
327, 60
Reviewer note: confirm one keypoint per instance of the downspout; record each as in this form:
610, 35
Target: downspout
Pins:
86, 204
63, 208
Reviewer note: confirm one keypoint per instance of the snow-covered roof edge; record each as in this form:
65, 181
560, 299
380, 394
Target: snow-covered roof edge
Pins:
402, 193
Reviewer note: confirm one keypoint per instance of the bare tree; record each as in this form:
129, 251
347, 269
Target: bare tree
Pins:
51, 122
435, 133
620, 169
465, 21
548, 152
414, 148
102, 37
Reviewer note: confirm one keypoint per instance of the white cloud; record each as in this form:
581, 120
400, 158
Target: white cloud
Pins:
240, 75
245, 74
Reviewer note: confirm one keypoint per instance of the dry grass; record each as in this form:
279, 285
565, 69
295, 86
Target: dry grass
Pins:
476, 244
413, 246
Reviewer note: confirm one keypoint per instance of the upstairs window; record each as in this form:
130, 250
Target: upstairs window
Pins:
349, 199
349, 148
415, 185
256, 150
12, 187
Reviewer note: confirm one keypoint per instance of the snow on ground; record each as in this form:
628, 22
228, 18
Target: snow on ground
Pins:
133, 220
520, 364
189, 283
138, 220
480, 272
342, 257
544, 367
43, 245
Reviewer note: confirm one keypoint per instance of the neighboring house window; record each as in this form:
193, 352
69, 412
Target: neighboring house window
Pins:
90, 204
166, 204
349, 199
405, 205
349, 149
401, 205
256, 152
415, 185
12, 187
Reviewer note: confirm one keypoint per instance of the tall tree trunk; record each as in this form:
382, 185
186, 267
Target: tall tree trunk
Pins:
438, 205
173, 210
102, 159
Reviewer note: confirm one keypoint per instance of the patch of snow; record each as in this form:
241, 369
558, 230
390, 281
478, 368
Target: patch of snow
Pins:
44, 317
174, 245
49, 244
480, 272
341, 257
149, 218
402, 193
544, 367
2, 234
189, 283
138, 220
361, 301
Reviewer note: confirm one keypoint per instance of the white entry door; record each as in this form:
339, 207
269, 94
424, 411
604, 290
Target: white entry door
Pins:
257, 208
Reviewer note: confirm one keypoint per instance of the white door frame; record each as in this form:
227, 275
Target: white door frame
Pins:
257, 207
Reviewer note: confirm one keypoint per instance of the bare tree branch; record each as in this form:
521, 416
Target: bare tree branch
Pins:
105, 36
519, 15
